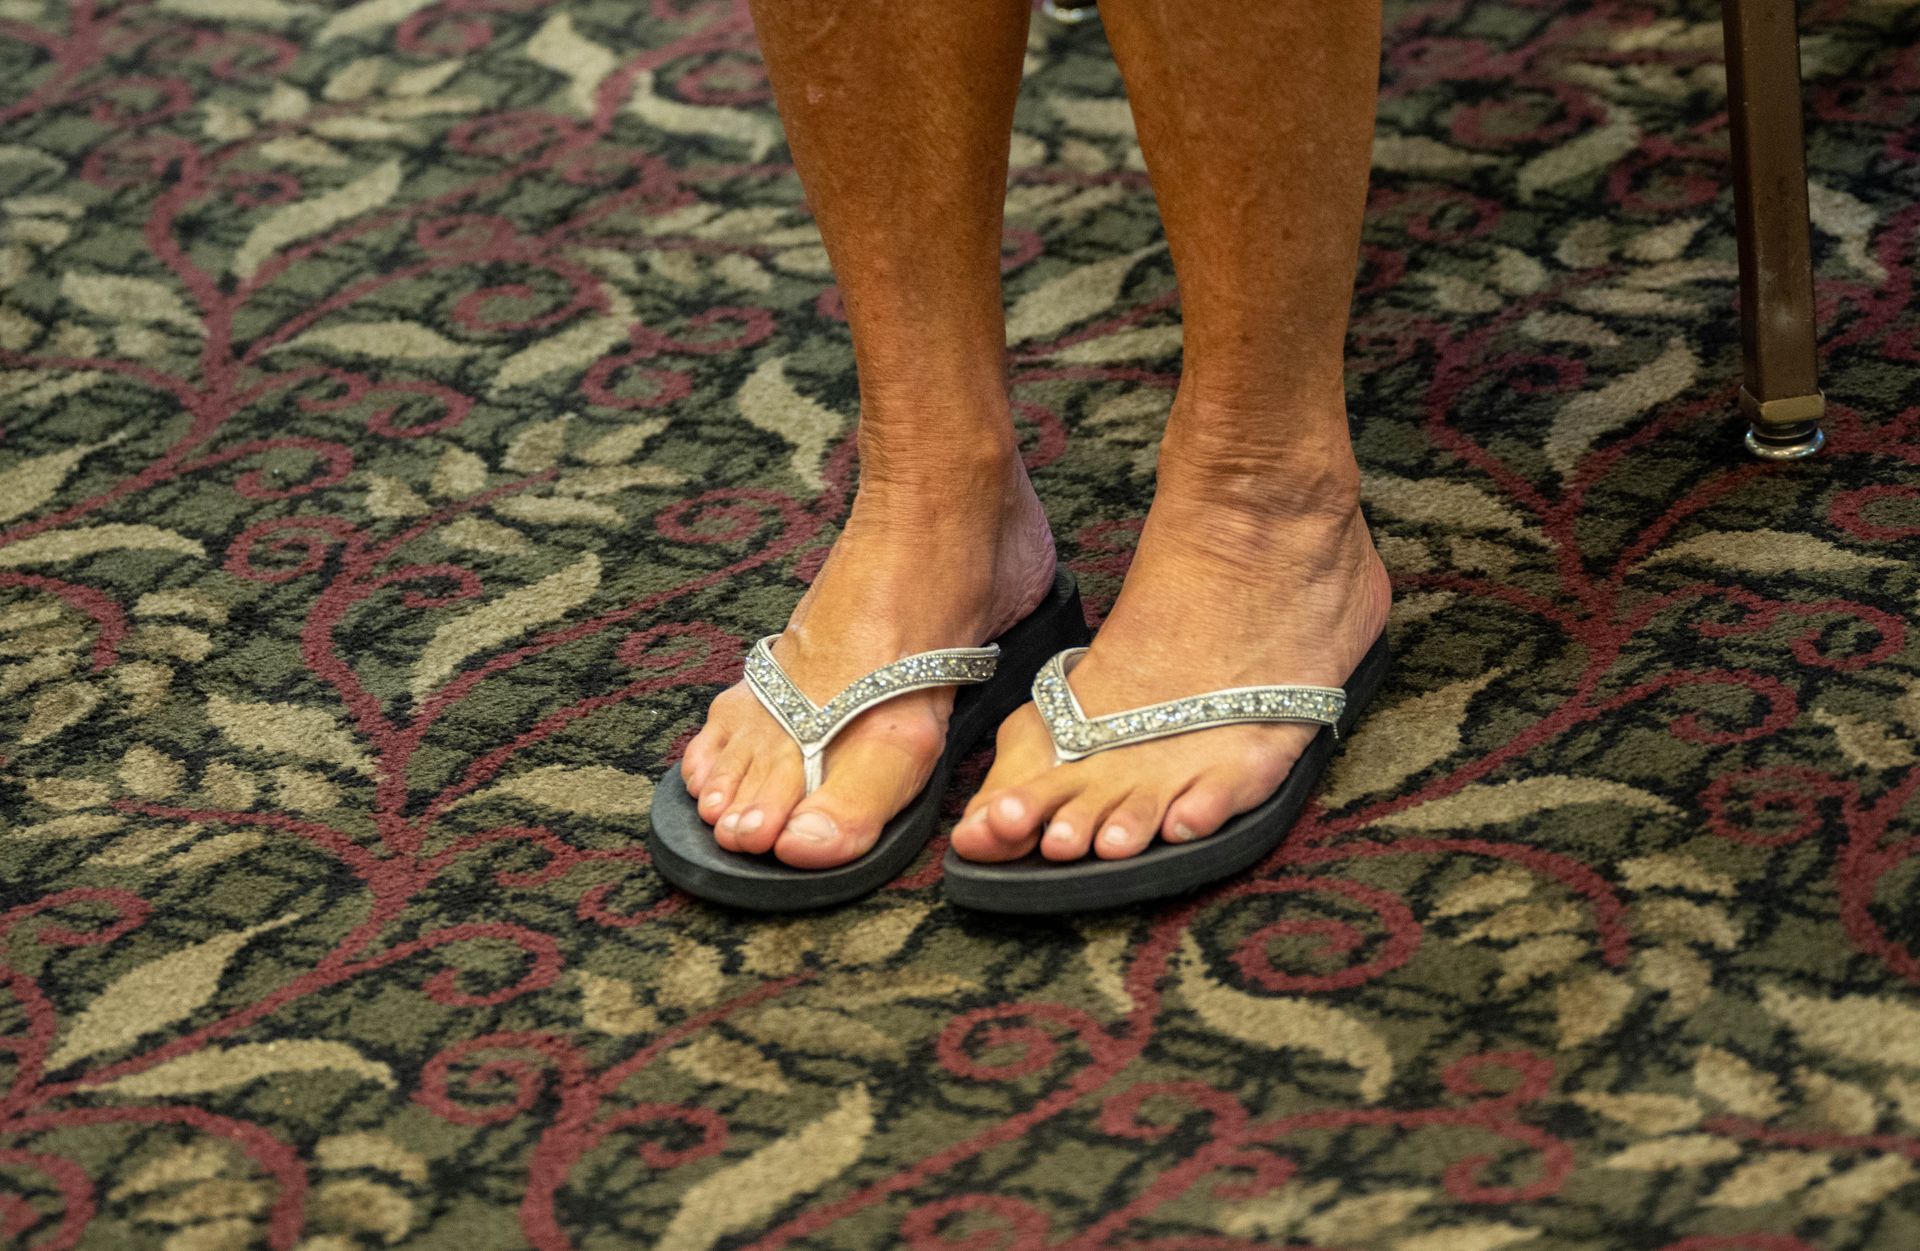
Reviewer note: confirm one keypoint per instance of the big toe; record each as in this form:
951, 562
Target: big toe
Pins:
868, 780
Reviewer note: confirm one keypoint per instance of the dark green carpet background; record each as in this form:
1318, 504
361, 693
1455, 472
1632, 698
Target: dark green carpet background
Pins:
408, 412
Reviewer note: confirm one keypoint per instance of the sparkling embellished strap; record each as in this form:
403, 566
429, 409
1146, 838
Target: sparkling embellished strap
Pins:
1076, 735
813, 726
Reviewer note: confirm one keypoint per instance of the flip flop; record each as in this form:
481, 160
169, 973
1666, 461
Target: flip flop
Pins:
994, 681
1035, 885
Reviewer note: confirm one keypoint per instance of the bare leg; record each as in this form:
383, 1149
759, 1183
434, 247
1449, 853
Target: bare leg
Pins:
898, 116
1254, 565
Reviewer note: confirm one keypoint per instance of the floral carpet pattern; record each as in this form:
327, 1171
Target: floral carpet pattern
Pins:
409, 410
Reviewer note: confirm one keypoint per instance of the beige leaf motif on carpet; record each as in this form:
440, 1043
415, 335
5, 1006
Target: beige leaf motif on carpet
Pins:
1392, 748
58, 545
1769, 1178
1149, 344
369, 15
1736, 1085
822, 1031
120, 298
579, 344
1419, 154
1769, 551
1076, 296
262, 12
57, 709
1836, 213
712, 1059
1346, 1222
559, 47
1285, 1022
1854, 1027
1494, 803
1589, 152
743, 1194
288, 729
878, 937
1863, 1184
1351, 1220
216, 1068
584, 790
1105, 951
508, 617
155, 994
1647, 1112
1478, 1236
1681, 1151
352, 1203
771, 403
1588, 1007
305, 218
692, 976
1591, 414
757, 131
611, 1006
1093, 115
1440, 502
386, 340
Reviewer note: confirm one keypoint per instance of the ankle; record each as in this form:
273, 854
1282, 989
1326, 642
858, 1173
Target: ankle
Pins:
941, 485
1301, 474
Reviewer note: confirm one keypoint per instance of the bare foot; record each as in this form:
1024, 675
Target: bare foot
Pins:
947, 558
1245, 575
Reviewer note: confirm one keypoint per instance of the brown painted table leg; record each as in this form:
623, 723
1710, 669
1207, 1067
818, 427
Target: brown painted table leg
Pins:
1781, 392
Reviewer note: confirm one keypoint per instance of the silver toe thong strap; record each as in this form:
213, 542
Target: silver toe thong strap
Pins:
813, 726
1076, 735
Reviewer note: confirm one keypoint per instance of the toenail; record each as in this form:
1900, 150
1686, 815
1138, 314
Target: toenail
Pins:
1180, 833
751, 822
731, 822
712, 799
1114, 836
1060, 832
1011, 808
812, 827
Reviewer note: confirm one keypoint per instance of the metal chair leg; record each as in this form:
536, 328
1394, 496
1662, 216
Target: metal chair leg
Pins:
1070, 12
1781, 393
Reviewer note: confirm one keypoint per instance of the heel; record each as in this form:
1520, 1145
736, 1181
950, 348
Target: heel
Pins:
1368, 676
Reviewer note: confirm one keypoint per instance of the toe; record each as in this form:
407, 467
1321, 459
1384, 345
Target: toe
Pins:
741, 818
974, 839
1067, 837
775, 793
868, 780
1129, 827
1005, 824
1198, 811
1019, 813
1071, 832
716, 796
815, 837
696, 763
766, 799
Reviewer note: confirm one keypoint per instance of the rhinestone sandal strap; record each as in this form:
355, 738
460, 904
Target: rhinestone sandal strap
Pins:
1076, 735
813, 726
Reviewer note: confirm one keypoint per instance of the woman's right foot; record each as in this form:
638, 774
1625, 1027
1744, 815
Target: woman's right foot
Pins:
949, 555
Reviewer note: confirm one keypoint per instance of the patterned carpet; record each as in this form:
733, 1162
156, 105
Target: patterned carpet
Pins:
411, 408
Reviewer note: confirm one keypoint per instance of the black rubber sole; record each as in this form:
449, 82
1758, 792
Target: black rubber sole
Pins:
1034, 885
682, 843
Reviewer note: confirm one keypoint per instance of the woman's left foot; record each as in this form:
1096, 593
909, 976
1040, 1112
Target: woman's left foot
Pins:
1244, 576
